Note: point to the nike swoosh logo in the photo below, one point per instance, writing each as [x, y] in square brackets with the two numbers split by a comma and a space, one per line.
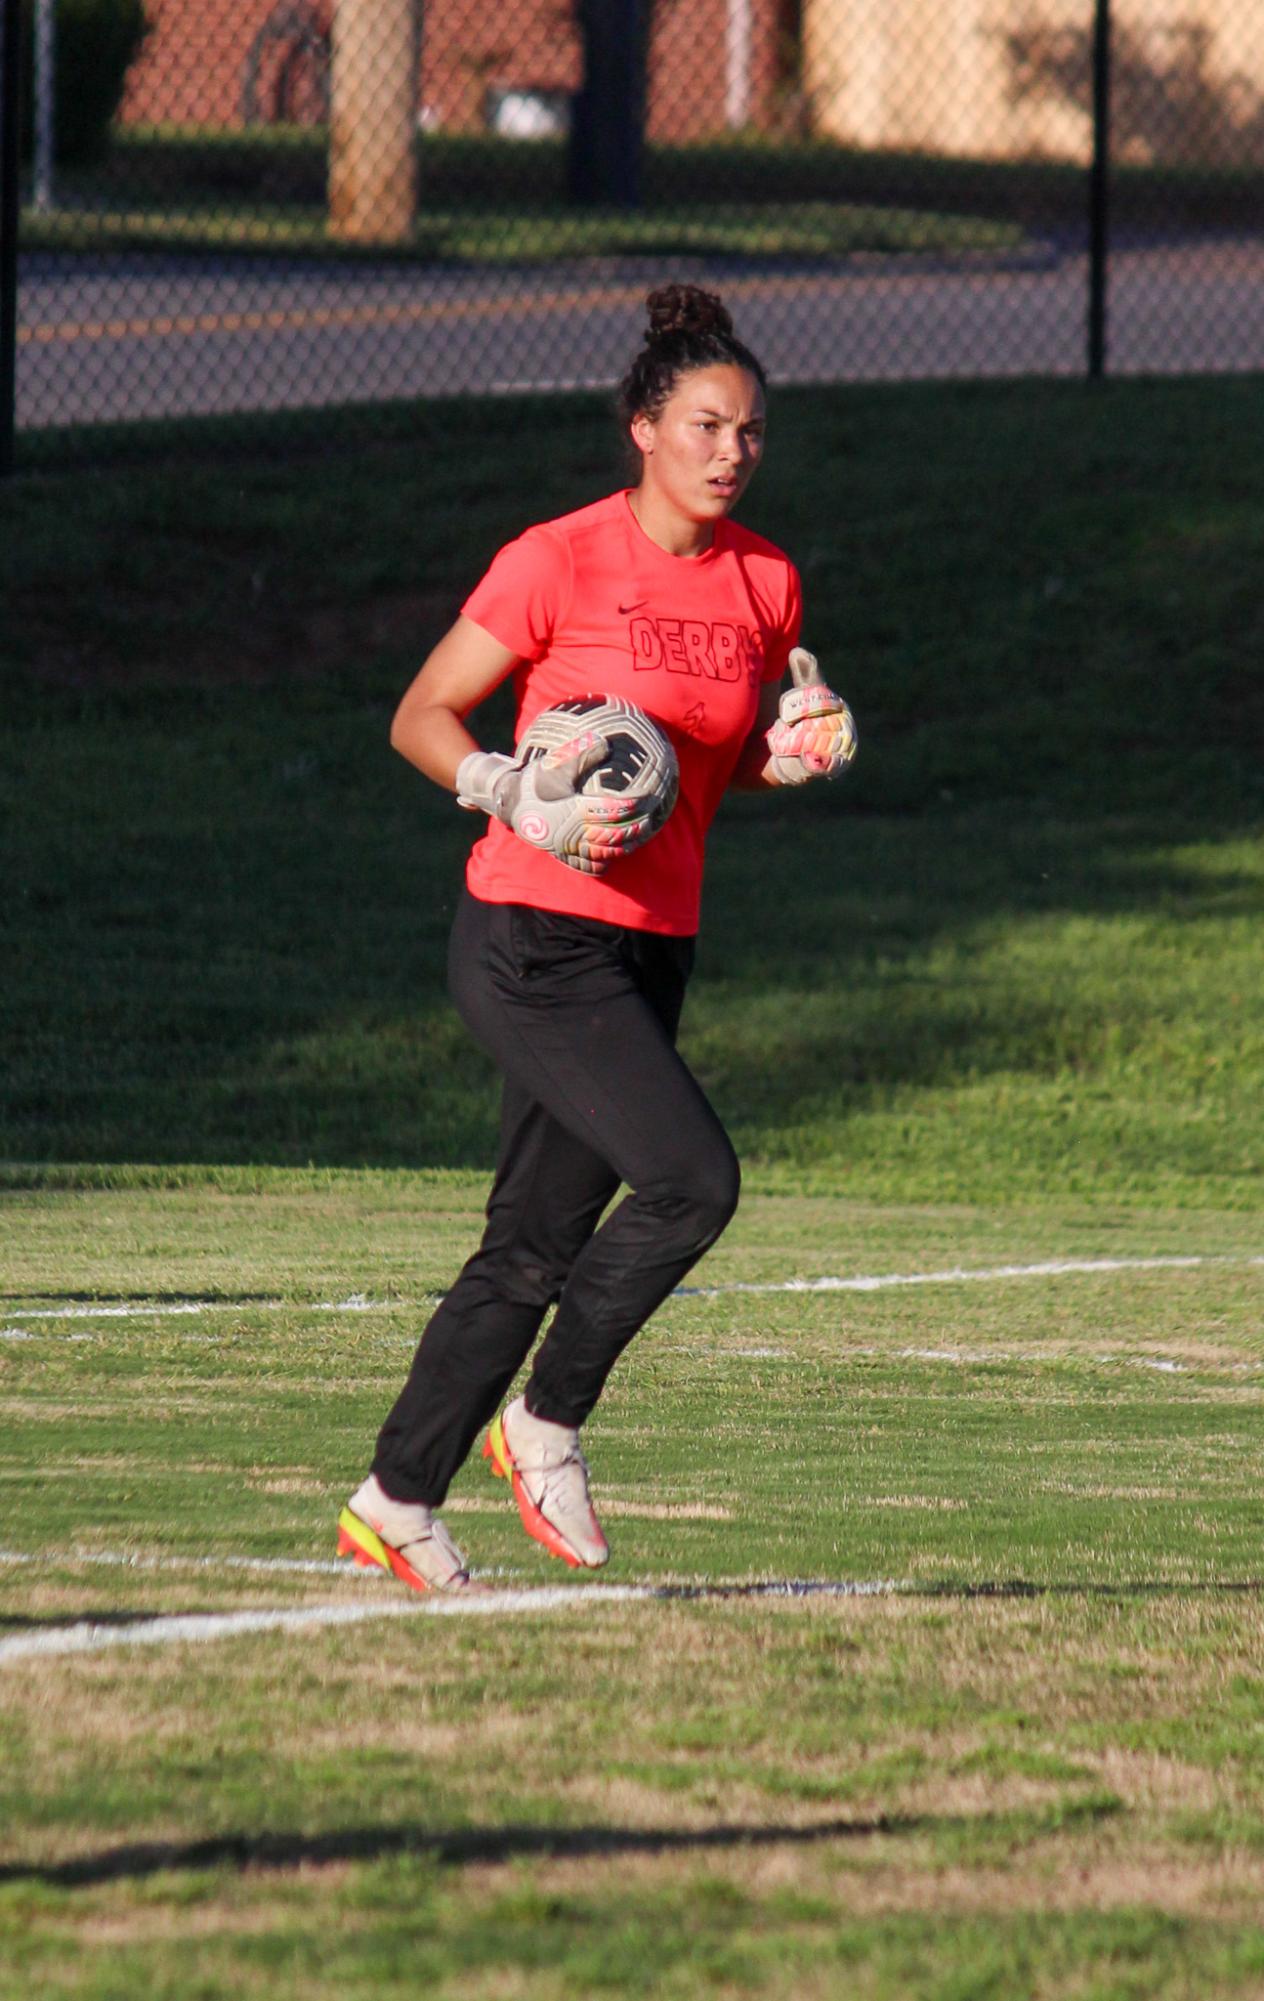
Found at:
[624, 609]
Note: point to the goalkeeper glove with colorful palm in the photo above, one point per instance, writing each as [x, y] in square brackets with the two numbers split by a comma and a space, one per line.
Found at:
[541, 800]
[814, 735]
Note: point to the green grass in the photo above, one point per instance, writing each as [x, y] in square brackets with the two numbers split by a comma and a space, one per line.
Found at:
[284, 168]
[994, 1002]
[509, 235]
[495, 201]
[1032, 1769]
[1015, 954]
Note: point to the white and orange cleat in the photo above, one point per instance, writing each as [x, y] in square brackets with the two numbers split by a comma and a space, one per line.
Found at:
[550, 1483]
[401, 1537]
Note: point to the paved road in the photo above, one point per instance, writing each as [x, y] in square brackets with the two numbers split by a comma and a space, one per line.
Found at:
[135, 337]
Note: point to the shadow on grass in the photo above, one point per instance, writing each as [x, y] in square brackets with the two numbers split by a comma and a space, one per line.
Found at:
[458, 1846]
[988, 1588]
[297, 1017]
[1137, 1587]
[17, 1300]
[65, 1621]
[241, 958]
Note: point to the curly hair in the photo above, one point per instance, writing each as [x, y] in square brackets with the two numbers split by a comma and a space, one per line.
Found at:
[688, 329]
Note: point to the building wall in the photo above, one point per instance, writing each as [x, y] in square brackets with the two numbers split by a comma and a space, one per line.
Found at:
[1009, 78]
[990, 78]
[193, 68]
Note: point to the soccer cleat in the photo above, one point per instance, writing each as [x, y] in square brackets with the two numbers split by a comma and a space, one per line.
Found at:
[400, 1537]
[550, 1483]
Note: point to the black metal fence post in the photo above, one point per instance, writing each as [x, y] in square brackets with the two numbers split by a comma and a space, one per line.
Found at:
[1099, 194]
[607, 139]
[10, 98]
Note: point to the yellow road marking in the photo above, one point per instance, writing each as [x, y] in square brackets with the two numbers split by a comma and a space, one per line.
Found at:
[165, 325]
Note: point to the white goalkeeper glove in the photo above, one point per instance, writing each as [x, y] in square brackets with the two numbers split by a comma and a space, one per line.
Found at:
[541, 801]
[814, 735]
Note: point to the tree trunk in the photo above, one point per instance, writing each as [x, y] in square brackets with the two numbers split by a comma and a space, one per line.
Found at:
[373, 120]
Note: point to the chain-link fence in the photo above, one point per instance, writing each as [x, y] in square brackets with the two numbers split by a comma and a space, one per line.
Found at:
[222, 207]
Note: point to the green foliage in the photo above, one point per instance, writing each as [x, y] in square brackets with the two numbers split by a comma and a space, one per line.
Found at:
[96, 42]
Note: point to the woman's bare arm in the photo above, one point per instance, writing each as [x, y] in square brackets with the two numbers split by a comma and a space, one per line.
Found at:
[751, 773]
[429, 724]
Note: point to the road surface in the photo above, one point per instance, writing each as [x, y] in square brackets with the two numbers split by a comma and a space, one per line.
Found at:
[158, 336]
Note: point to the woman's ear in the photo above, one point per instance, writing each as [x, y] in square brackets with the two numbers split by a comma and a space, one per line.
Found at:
[642, 430]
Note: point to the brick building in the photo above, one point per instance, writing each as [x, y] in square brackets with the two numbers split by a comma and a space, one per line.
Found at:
[1004, 78]
[715, 65]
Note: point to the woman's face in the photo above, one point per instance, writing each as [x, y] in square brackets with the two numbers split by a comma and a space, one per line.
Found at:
[698, 454]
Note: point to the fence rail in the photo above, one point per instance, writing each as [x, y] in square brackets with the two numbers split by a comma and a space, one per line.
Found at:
[238, 206]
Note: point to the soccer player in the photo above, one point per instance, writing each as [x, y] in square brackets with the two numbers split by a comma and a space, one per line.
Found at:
[574, 981]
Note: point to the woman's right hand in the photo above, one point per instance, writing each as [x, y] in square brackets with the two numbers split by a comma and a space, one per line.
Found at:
[541, 800]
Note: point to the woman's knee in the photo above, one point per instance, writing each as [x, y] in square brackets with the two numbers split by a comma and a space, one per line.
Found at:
[704, 1190]
[720, 1189]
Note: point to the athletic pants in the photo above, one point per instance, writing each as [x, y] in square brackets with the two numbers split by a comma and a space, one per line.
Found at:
[581, 1019]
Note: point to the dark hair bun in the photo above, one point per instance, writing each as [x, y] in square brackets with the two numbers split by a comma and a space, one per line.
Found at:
[685, 309]
[688, 329]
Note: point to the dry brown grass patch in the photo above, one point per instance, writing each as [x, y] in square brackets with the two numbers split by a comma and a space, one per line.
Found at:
[876, 1873]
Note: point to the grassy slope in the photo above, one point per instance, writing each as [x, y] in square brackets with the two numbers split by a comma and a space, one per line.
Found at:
[1015, 954]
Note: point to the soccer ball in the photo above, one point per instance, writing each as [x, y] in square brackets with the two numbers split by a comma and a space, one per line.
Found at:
[640, 760]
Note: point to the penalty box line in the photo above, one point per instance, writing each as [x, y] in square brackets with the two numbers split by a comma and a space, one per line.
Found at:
[89, 1637]
[861, 1282]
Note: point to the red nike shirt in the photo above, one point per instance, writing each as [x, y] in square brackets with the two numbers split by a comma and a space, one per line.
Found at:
[593, 607]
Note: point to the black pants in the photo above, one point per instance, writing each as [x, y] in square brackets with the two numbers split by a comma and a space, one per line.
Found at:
[581, 1018]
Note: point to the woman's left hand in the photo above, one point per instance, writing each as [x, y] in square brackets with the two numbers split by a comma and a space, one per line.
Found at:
[814, 735]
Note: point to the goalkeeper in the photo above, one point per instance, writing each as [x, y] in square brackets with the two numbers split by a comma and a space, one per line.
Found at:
[571, 949]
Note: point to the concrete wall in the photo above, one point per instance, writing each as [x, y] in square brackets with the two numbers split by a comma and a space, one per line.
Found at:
[1009, 78]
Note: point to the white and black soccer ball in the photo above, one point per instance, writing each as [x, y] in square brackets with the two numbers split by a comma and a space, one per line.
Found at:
[640, 762]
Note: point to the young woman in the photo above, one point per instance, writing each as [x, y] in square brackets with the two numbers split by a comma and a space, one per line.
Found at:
[573, 981]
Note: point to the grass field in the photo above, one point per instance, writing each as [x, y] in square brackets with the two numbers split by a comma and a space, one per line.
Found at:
[494, 201]
[1031, 1766]
[987, 1026]
[157, 183]
[499, 234]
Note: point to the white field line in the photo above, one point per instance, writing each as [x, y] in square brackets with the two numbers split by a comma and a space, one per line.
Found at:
[89, 1638]
[996, 1357]
[861, 1282]
[122, 1559]
[966, 1275]
[187, 1308]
